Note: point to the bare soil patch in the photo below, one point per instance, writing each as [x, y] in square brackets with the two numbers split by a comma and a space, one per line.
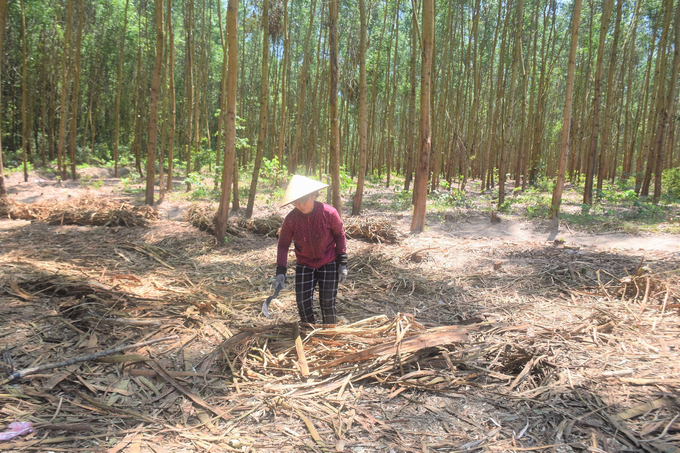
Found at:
[511, 336]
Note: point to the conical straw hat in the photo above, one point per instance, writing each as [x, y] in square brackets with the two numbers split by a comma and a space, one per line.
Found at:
[299, 186]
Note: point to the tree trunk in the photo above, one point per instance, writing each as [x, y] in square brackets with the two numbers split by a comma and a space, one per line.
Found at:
[284, 85]
[645, 114]
[119, 85]
[566, 122]
[374, 101]
[153, 106]
[65, 90]
[230, 129]
[3, 21]
[597, 101]
[408, 171]
[172, 114]
[628, 145]
[302, 89]
[358, 196]
[335, 126]
[667, 112]
[390, 121]
[264, 109]
[76, 89]
[424, 137]
[189, 78]
[611, 102]
[24, 92]
[197, 100]
[510, 106]
[223, 98]
[139, 96]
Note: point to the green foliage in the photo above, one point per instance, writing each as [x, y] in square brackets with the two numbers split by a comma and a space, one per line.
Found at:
[271, 170]
[201, 186]
[670, 182]
[18, 167]
[454, 198]
[401, 201]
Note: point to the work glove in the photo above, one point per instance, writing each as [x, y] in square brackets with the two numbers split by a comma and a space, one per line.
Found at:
[342, 274]
[280, 281]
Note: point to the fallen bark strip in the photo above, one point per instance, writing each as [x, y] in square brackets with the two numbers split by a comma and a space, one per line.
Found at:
[49, 366]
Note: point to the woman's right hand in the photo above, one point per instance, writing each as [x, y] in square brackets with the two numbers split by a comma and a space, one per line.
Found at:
[281, 281]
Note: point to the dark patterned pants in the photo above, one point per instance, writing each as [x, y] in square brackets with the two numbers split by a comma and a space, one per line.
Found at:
[306, 279]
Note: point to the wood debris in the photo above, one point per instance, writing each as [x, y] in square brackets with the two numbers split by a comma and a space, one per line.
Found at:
[94, 211]
[562, 349]
[373, 229]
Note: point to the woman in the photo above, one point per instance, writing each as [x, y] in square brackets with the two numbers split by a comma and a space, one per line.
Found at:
[320, 249]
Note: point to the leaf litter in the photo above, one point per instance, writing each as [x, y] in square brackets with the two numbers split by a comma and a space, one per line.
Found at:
[478, 344]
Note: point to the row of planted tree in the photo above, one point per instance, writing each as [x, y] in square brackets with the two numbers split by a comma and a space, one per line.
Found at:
[481, 89]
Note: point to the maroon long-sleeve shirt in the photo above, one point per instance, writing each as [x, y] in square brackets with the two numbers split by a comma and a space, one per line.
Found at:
[319, 237]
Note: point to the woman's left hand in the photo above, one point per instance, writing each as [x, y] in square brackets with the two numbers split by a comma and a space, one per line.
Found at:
[342, 274]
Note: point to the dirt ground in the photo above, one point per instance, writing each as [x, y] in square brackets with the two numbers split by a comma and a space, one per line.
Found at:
[572, 343]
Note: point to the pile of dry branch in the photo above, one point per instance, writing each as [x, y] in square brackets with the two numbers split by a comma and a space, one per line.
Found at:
[327, 358]
[96, 211]
[264, 226]
[202, 216]
[373, 229]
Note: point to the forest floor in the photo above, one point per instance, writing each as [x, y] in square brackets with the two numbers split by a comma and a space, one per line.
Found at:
[518, 335]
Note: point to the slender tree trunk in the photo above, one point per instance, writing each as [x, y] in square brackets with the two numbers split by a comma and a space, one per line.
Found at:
[163, 108]
[198, 96]
[628, 145]
[284, 85]
[488, 164]
[566, 122]
[230, 130]
[335, 125]
[424, 137]
[153, 106]
[390, 121]
[510, 107]
[597, 101]
[611, 102]
[139, 96]
[264, 109]
[302, 89]
[76, 89]
[119, 85]
[667, 113]
[363, 123]
[374, 87]
[45, 77]
[3, 21]
[657, 103]
[65, 89]
[24, 92]
[189, 87]
[496, 145]
[642, 148]
[411, 107]
[223, 97]
[171, 92]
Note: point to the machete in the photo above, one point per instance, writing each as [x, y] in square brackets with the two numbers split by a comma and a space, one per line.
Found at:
[265, 305]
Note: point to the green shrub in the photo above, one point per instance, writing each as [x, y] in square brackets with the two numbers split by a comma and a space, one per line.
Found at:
[670, 181]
